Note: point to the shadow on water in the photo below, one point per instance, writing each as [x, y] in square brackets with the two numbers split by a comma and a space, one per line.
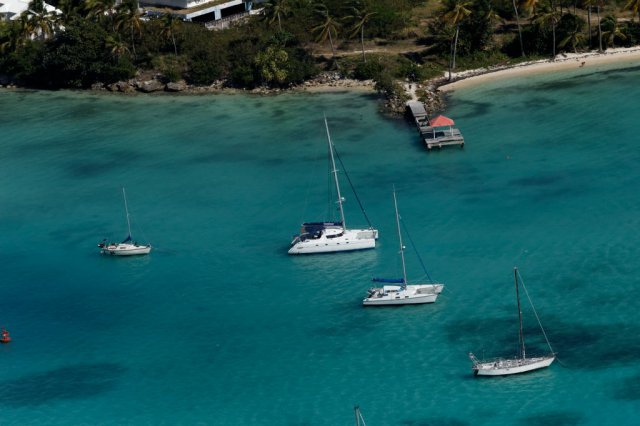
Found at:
[434, 421]
[628, 389]
[67, 383]
[560, 418]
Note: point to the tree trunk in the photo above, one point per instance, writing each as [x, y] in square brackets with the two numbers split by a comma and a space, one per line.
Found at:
[133, 43]
[333, 50]
[454, 45]
[175, 48]
[554, 40]
[364, 60]
[599, 29]
[515, 8]
[589, 21]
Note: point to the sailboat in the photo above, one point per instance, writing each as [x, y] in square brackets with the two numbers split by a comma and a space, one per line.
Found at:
[521, 363]
[328, 237]
[128, 247]
[359, 418]
[404, 293]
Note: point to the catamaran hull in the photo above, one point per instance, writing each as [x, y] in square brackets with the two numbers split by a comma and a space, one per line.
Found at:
[414, 294]
[353, 239]
[126, 251]
[509, 367]
[412, 300]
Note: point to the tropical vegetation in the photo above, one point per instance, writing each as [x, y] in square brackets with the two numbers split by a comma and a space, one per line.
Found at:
[293, 40]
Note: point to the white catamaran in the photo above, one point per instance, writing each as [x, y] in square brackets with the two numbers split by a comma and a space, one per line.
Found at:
[328, 237]
[521, 363]
[128, 247]
[403, 294]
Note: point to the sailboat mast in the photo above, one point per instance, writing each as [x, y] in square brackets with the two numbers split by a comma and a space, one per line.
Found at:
[335, 172]
[515, 276]
[126, 209]
[404, 268]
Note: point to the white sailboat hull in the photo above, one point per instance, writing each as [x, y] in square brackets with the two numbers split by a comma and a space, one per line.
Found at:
[505, 367]
[351, 239]
[414, 294]
[125, 250]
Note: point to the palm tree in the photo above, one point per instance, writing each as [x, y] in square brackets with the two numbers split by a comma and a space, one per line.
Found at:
[611, 22]
[633, 5]
[589, 5]
[515, 9]
[129, 16]
[170, 25]
[98, 9]
[599, 3]
[276, 10]
[573, 38]
[42, 22]
[116, 46]
[548, 16]
[327, 29]
[360, 16]
[455, 12]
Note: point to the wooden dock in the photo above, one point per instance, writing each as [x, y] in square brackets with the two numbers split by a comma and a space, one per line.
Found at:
[436, 132]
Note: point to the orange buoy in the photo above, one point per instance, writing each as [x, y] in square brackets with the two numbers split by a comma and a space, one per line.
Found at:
[5, 336]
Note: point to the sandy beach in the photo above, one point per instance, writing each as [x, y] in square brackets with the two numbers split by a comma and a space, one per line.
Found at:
[563, 62]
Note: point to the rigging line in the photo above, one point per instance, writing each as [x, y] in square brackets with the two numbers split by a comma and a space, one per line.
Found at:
[404, 225]
[535, 312]
[344, 170]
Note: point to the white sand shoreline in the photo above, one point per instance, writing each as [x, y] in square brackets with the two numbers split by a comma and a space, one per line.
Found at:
[562, 63]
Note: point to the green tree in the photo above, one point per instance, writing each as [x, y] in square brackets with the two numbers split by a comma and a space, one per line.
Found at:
[454, 13]
[271, 64]
[515, 10]
[359, 16]
[128, 17]
[612, 31]
[116, 46]
[275, 10]
[328, 29]
[41, 22]
[546, 16]
[633, 5]
[570, 28]
[170, 25]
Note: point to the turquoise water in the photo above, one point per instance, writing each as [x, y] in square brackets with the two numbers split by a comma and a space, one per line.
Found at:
[219, 326]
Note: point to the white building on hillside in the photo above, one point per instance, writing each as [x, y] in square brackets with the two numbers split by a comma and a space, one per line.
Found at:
[205, 11]
[11, 9]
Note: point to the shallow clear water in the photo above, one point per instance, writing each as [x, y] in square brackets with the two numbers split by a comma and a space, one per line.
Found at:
[220, 326]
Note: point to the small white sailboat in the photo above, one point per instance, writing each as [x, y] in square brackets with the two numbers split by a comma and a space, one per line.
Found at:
[329, 237]
[128, 247]
[521, 363]
[403, 294]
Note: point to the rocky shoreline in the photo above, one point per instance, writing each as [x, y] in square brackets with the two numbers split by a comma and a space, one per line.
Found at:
[394, 104]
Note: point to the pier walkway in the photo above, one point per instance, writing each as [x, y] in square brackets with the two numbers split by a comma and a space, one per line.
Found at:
[436, 132]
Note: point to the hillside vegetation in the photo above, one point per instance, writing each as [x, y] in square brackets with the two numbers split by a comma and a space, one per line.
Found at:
[293, 40]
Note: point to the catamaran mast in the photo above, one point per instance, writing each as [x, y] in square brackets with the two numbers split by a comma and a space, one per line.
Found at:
[404, 269]
[126, 209]
[335, 173]
[515, 276]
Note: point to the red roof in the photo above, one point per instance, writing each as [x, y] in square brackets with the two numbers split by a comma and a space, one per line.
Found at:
[440, 121]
